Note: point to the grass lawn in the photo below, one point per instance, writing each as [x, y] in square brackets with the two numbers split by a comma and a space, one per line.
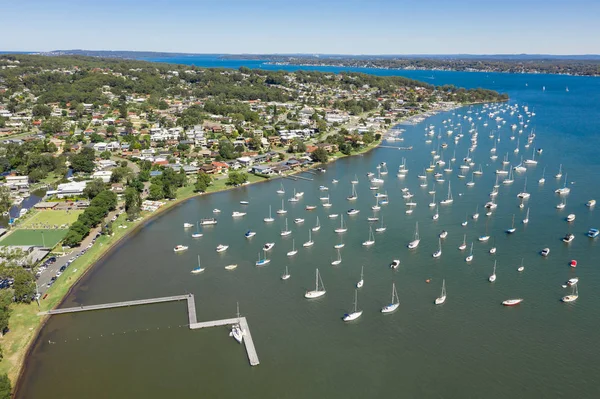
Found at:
[34, 237]
[51, 218]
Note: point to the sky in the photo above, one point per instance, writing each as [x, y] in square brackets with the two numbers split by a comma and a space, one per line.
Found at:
[304, 26]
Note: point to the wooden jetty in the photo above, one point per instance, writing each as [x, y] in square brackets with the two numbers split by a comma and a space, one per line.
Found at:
[193, 322]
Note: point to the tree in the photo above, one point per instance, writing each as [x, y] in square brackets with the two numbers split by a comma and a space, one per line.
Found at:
[110, 130]
[226, 150]
[24, 286]
[41, 110]
[133, 202]
[156, 192]
[84, 161]
[319, 155]
[5, 201]
[53, 125]
[93, 188]
[120, 173]
[236, 178]
[5, 387]
[5, 301]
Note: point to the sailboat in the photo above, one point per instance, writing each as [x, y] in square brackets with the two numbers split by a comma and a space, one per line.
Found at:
[371, 239]
[327, 204]
[492, 278]
[285, 275]
[512, 229]
[509, 179]
[448, 200]
[573, 297]
[317, 226]
[485, 237]
[270, 218]
[476, 214]
[564, 190]
[338, 260]
[355, 181]
[438, 253]
[526, 220]
[543, 179]
[198, 269]
[470, 257]
[395, 301]
[281, 211]
[281, 190]
[236, 330]
[432, 203]
[382, 228]
[356, 313]
[353, 196]
[342, 228]
[463, 246]
[361, 282]
[521, 268]
[319, 288]
[436, 215]
[471, 183]
[376, 207]
[442, 298]
[294, 251]
[310, 242]
[197, 234]
[415, 242]
[559, 174]
[286, 231]
[262, 262]
[524, 194]
[493, 248]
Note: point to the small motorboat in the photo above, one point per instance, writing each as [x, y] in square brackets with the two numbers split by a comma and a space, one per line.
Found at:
[352, 211]
[250, 234]
[231, 267]
[216, 210]
[572, 281]
[573, 263]
[310, 207]
[180, 248]
[571, 217]
[187, 225]
[268, 246]
[591, 203]
[593, 233]
[568, 238]
[545, 252]
[443, 234]
[244, 202]
[222, 248]
[395, 263]
[237, 214]
[298, 220]
[512, 302]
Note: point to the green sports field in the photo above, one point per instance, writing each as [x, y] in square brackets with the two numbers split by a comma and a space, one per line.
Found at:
[34, 237]
[51, 219]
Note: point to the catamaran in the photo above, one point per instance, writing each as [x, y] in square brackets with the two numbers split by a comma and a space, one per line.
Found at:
[356, 313]
[415, 242]
[319, 288]
[198, 269]
[287, 231]
[395, 301]
[371, 239]
[442, 298]
[294, 251]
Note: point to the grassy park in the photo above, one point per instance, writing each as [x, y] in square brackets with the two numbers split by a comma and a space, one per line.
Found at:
[46, 237]
[51, 219]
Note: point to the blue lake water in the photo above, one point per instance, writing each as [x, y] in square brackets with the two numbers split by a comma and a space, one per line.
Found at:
[469, 347]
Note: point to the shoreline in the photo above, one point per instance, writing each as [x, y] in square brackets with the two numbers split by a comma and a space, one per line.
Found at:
[22, 361]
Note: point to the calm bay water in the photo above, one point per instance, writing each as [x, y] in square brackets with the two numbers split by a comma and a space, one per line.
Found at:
[469, 347]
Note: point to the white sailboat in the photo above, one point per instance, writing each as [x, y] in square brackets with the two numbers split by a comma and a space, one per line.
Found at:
[281, 190]
[475, 216]
[470, 257]
[310, 242]
[463, 246]
[436, 215]
[355, 181]
[287, 231]
[286, 275]
[197, 234]
[559, 174]
[432, 203]
[442, 298]
[415, 242]
[376, 207]
[294, 251]
[356, 313]
[371, 239]
[319, 288]
[353, 196]
[543, 179]
[342, 228]
[270, 218]
[512, 228]
[438, 253]
[526, 220]
[317, 226]
[448, 200]
[573, 297]
[338, 260]
[492, 278]
[361, 282]
[236, 330]
[281, 211]
[382, 228]
[395, 301]
[521, 268]
[198, 269]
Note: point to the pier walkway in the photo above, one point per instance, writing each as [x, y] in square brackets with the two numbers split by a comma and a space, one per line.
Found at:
[193, 322]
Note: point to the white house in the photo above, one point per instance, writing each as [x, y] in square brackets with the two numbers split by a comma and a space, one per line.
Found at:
[102, 174]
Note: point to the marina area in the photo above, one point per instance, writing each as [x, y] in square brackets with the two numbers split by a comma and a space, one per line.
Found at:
[458, 162]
